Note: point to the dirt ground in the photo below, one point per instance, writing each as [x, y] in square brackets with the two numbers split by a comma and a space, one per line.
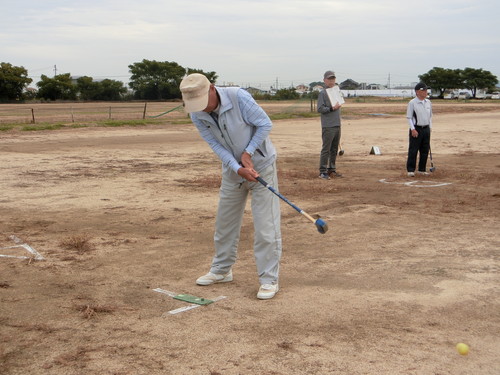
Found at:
[408, 268]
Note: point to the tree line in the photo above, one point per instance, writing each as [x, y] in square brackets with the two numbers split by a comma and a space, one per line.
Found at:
[441, 80]
[159, 80]
[150, 80]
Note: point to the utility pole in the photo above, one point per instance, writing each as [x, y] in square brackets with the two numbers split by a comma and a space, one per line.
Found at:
[55, 70]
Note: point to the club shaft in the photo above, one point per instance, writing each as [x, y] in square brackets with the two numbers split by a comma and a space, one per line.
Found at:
[299, 210]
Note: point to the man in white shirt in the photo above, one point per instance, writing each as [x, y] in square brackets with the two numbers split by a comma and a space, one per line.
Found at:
[419, 116]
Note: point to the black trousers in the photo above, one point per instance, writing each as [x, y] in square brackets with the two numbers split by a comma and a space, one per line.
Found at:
[419, 144]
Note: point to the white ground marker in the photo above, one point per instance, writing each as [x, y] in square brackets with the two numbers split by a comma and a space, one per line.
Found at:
[37, 255]
[416, 183]
[185, 308]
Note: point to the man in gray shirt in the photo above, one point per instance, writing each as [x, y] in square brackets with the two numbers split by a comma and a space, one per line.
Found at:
[330, 129]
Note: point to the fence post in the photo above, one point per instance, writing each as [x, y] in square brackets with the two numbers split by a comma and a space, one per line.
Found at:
[110, 112]
[144, 113]
[72, 117]
[33, 115]
[313, 105]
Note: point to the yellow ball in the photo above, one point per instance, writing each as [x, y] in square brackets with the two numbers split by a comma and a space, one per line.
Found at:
[462, 348]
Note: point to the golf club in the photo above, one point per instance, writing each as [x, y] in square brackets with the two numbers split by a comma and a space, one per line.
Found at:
[432, 168]
[320, 223]
[341, 151]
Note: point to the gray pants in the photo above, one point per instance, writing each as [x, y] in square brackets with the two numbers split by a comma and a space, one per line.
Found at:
[331, 140]
[266, 219]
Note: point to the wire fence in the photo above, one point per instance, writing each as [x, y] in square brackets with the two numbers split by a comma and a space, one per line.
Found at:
[81, 112]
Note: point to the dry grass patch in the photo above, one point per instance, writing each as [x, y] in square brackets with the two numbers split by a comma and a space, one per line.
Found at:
[92, 310]
[79, 355]
[79, 243]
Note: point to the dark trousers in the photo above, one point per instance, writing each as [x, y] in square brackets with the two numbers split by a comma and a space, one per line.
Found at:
[419, 144]
[328, 156]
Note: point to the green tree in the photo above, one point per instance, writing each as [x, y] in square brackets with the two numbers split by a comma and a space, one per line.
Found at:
[212, 76]
[287, 94]
[474, 79]
[442, 79]
[87, 88]
[156, 80]
[58, 88]
[107, 89]
[13, 81]
[110, 89]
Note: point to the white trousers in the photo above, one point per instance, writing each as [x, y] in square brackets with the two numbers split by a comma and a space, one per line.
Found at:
[266, 220]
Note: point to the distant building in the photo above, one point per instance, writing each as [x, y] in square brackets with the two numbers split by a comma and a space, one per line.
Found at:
[254, 90]
[301, 89]
[404, 93]
[375, 86]
[349, 84]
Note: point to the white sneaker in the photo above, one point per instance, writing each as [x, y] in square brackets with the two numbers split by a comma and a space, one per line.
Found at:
[423, 173]
[212, 278]
[411, 174]
[267, 291]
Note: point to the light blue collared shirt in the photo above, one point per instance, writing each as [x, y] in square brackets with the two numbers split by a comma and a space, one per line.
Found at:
[245, 128]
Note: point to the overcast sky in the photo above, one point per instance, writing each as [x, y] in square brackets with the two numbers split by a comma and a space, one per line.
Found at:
[254, 42]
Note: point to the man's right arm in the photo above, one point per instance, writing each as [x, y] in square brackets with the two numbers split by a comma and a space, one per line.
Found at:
[224, 155]
[324, 105]
[409, 115]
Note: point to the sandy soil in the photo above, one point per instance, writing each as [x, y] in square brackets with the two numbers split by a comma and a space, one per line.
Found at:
[408, 268]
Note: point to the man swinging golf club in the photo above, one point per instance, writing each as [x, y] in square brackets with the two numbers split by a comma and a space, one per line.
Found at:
[237, 129]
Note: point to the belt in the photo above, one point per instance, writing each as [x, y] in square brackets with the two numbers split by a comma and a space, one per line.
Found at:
[421, 126]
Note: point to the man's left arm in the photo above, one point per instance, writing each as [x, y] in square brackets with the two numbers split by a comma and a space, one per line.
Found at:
[254, 115]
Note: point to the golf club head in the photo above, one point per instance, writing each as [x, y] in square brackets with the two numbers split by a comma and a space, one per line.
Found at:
[322, 226]
[432, 169]
[341, 152]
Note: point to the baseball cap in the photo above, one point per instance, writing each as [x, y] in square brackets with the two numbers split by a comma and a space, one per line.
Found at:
[421, 86]
[329, 74]
[194, 89]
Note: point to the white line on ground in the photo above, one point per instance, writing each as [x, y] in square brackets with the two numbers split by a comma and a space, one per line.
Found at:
[416, 183]
[25, 246]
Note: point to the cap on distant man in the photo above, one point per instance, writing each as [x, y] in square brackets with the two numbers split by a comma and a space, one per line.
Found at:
[329, 74]
[421, 86]
[194, 89]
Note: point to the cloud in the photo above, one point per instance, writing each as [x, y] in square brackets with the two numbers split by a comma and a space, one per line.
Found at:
[253, 42]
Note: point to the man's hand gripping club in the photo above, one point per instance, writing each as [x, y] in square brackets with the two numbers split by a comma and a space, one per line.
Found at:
[247, 171]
